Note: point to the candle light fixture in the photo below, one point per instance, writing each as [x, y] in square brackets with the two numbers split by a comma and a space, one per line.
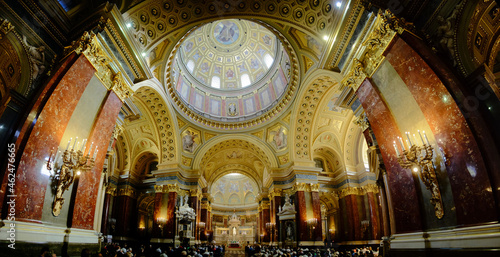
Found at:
[419, 160]
[65, 167]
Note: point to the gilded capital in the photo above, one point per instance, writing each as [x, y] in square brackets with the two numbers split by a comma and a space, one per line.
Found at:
[158, 188]
[121, 89]
[275, 192]
[172, 188]
[195, 192]
[127, 192]
[111, 191]
[371, 188]
[350, 191]
[314, 187]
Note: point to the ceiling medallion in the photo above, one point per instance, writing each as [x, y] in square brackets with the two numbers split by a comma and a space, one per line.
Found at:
[200, 59]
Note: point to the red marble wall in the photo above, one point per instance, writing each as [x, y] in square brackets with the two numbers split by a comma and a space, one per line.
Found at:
[354, 221]
[317, 234]
[471, 188]
[156, 233]
[126, 216]
[203, 218]
[266, 217]
[194, 203]
[88, 187]
[276, 205]
[105, 214]
[46, 134]
[404, 197]
[374, 217]
[37, 108]
[170, 225]
[301, 216]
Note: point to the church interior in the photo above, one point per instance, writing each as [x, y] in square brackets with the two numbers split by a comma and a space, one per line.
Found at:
[286, 123]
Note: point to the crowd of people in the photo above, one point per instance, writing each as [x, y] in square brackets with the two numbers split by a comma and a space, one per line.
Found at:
[117, 250]
[124, 250]
[263, 251]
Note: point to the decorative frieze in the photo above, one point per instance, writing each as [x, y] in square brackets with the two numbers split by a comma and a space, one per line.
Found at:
[275, 192]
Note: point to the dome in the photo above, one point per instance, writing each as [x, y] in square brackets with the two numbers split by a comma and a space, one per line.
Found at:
[234, 190]
[230, 70]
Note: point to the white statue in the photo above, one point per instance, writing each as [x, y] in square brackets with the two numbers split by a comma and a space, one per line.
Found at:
[37, 57]
[188, 141]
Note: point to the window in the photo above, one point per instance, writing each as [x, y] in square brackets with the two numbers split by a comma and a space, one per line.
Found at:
[245, 80]
[268, 60]
[215, 82]
[190, 65]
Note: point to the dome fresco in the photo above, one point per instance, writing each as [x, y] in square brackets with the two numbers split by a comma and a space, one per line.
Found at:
[234, 189]
[231, 70]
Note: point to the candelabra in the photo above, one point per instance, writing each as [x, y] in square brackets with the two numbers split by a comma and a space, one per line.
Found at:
[161, 224]
[364, 226]
[201, 226]
[312, 223]
[419, 159]
[64, 168]
[270, 227]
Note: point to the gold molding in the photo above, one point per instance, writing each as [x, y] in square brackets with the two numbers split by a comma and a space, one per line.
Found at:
[314, 187]
[386, 26]
[158, 188]
[111, 191]
[5, 27]
[275, 192]
[89, 45]
[195, 192]
[127, 192]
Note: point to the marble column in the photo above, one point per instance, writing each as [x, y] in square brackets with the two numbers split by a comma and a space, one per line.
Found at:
[156, 231]
[374, 216]
[110, 193]
[204, 219]
[86, 198]
[170, 227]
[125, 211]
[384, 212]
[52, 111]
[316, 204]
[474, 203]
[194, 202]
[301, 216]
[407, 217]
[266, 218]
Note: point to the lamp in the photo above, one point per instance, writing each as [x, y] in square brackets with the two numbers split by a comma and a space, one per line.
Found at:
[419, 160]
[73, 163]
[364, 226]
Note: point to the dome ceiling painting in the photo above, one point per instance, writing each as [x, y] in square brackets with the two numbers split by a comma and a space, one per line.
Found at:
[231, 71]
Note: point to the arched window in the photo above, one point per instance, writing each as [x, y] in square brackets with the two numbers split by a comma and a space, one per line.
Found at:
[215, 82]
[190, 65]
[245, 80]
[268, 60]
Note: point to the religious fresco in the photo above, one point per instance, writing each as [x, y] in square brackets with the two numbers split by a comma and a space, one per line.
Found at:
[234, 188]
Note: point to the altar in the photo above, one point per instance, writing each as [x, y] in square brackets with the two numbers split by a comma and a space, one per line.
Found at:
[234, 235]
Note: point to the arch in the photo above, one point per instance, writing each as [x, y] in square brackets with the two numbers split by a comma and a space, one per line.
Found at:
[218, 198]
[234, 168]
[250, 143]
[162, 115]
[306, 110]
[234, 199]
[249, 198]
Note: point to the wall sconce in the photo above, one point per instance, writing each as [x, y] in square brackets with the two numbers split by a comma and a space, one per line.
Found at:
[364, 226]
[201, 225]
[419, 160]
[270, 225]
[73, 163]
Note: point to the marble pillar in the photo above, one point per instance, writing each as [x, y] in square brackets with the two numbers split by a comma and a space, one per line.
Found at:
[156, 231]
[301, 216]
[407, 217]
[125, 209]
[86, 198]
[374, 216]
[110, 192]
[316, 204]
[266, 218]
[55, 109]
[170, 229]
[474, 202]
[275, 204]
[194, 203]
